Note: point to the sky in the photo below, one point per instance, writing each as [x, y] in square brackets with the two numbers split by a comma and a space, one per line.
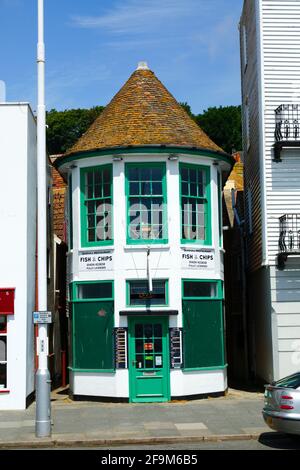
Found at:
[93, 46]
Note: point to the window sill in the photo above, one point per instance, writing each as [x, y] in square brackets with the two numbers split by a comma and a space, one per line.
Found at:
[196, 245]
[145, 247]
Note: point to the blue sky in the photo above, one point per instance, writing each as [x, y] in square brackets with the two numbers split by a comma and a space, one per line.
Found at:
[93, 46]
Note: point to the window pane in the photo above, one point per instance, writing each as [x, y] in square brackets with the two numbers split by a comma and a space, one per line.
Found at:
[90, 207]
[158, 345]
[133, 174]
[94, 291]
[193, 175]
[156, 174]
[193, 204]
[3, 381]
[89, 192]
[3, 320]
[98, 189]
[156, 188]
[106, 190]
[184, 174]
[157, 330]
[185, 189]
[140, 295]
[200, 289]
[148, 330]
[138, 330]
[89, 178]
[292, 381]
[139, 345]
[147, 208]
[146, 188]
[193, 189]
[91, 235]
[2, 348]
[145, 174]
[134, 188]
[106, 176]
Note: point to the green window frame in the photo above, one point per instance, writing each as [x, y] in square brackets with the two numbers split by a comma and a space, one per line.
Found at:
[195, 204]
[203, 325]
[146, 196]
[96, 188]
[148, 300]
[92, 324]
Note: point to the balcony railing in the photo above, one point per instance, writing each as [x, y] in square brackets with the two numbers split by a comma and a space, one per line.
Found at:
[289, 237]
[287, 128]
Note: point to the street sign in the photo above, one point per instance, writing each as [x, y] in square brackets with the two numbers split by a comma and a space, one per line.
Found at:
[42, 317]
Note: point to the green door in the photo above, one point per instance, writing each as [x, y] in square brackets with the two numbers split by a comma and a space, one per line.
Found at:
[149, 371]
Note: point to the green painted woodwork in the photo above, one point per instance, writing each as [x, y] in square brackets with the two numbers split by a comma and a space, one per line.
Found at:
[195, 192]
[147, 302]
[149, 368]
[203, 343]
[146, 195]
[219, 294]
[148, 149]
[96, 202]
[93, 324]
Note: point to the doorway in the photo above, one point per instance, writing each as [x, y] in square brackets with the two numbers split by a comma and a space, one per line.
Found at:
[149, 369]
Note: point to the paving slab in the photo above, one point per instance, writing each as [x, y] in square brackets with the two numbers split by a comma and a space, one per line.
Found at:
[238, 414]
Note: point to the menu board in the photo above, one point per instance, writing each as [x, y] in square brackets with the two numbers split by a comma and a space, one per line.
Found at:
[176, 348]
[121, 348]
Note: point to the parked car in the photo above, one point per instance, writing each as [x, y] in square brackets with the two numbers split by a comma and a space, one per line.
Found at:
[281, 410]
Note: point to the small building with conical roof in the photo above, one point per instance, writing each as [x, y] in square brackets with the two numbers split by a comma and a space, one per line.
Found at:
[145, 260]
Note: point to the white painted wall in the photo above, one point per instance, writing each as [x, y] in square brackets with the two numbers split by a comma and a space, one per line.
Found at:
[130, 263]
[276, 62]
[17, 241]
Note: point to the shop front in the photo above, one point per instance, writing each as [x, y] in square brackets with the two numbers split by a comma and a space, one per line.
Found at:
[145, 258]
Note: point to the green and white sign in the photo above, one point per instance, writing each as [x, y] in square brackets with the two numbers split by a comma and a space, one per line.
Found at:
[95, 261]
[201, 258]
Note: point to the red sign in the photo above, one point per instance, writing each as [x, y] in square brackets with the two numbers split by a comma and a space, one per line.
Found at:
[148, 346]
[7, 301]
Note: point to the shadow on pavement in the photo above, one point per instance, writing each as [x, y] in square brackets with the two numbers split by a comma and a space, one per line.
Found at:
[276, 440]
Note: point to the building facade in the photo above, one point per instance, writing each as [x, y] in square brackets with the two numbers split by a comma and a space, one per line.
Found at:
[270, 70]
[145, 260]
[18, 255]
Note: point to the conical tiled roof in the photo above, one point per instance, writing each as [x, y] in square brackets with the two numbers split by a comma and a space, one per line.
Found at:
[142, 113]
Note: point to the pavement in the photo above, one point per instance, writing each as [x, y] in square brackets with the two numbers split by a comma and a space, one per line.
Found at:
[236, 416]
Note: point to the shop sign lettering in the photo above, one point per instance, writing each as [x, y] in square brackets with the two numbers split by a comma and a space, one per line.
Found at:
[95, 261]
[198, 259]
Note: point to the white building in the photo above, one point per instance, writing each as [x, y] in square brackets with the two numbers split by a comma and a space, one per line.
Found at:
[270, 69]
[17, 241]
[146, 256]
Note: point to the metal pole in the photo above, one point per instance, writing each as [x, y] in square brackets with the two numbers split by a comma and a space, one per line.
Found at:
[43, 409]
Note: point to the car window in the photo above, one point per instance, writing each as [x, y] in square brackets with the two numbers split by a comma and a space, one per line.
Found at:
[292, 381]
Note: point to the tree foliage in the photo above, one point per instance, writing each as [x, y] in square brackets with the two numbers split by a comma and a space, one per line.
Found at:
[65, 127]
[224, 126]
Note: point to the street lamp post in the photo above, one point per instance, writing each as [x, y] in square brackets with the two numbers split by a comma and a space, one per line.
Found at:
[43, 382]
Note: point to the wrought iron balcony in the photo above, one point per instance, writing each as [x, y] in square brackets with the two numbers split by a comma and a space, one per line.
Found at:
[287, 128]
[289, 238]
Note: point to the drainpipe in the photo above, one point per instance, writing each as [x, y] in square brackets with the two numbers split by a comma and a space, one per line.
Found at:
[150, 285]
[243, 274]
